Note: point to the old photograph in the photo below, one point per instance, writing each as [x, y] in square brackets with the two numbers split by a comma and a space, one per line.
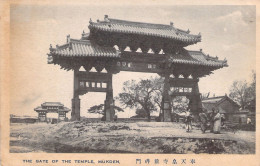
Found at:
[132, 79]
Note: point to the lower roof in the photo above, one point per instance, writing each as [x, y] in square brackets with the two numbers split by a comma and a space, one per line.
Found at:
[83, 48]
[86, 48]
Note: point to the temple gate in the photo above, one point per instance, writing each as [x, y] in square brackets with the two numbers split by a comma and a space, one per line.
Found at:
[162, 52]
[51, 107]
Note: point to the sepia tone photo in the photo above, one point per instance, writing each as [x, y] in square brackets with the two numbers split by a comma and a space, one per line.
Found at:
[118, 79]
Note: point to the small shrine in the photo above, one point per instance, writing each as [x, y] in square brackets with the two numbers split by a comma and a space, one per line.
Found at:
[51, 107]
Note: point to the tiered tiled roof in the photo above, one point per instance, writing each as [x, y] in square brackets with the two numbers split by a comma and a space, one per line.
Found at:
[148, 29]
[83, 48]
[56, 106]
[64, 109]
[196, 58]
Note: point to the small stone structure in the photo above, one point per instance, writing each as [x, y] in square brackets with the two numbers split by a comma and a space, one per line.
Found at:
[51, 107]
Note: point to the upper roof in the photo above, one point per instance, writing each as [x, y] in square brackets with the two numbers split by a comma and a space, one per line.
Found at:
[52, 104]
[83, 48]
[148, 29]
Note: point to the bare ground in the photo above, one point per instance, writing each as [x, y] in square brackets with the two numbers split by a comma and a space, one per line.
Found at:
[139, 137]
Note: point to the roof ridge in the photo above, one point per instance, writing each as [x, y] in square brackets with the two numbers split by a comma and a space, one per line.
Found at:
[80, 41]
[153, 24]
[207, 56]
[193, 50]
[141, 23]
[214, 97]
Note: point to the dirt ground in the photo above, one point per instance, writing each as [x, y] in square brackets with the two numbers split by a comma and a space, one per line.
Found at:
[120, 137]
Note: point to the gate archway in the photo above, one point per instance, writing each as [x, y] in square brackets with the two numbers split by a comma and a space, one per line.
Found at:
[162, 52]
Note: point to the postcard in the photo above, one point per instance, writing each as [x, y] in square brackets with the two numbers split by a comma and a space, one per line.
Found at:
[129, 83]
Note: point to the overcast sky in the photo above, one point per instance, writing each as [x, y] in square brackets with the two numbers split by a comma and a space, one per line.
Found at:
[227, 32]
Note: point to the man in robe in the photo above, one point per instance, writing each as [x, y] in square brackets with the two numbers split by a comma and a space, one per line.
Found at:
[211, 119]
[203, 120]
[217, 123]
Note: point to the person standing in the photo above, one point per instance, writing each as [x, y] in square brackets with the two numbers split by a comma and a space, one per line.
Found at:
[248, 121]
[188, 121]
[211, 119]
[223, 119]
[203, 120]
[217, 123]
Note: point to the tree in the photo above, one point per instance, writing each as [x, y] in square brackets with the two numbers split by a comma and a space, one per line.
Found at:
[157, 96]
[252, 86]
[140, 95]
[140, 113]
[100, 109]
[205, 96]
[180, 104]
[238, 92]
[243, 92]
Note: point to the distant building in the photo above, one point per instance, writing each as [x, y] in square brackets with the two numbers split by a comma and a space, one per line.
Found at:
[226, 106]
[51, 107]
[23, 119]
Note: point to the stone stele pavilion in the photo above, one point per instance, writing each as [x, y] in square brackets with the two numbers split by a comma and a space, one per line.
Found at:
[154, 48]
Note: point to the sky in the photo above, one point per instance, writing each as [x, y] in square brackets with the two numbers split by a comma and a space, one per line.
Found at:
[227, 32]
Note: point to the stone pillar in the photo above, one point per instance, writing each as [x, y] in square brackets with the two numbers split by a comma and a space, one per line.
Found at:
[75, 110]
[42, 117]
[45, 117]
[109, 102]
[58, 116]
[166, 100]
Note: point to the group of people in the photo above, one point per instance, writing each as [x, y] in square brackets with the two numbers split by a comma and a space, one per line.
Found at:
[214, 118]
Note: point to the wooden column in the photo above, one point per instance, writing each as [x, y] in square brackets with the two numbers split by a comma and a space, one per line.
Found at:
[75, 110]
[109, 102]
[166, 103]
